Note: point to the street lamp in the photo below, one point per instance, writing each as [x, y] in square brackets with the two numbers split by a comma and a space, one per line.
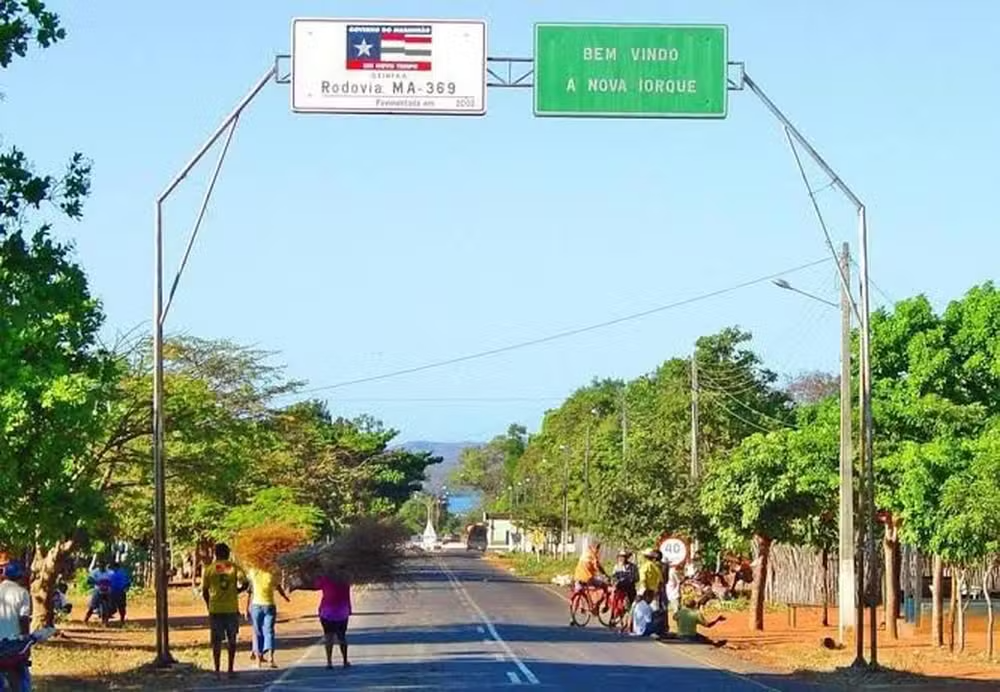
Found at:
[781, 283]
[850, 570]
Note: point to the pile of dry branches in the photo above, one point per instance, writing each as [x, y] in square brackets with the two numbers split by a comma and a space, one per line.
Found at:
[263, 546]
[368, 553]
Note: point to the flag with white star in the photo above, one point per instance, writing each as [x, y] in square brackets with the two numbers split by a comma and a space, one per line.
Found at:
[379, 47]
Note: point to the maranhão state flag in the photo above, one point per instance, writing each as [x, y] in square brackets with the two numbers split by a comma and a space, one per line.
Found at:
[403, 47]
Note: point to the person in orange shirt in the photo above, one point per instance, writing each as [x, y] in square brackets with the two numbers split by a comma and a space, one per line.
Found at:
[589, 567]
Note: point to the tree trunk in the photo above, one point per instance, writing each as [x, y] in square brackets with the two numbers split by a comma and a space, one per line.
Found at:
[897, 557]
[759, 587]
[826, 587]
[937, 601]
[44, 572]
[961, 610]
[989, 610]
[951, 610]
[890, 542]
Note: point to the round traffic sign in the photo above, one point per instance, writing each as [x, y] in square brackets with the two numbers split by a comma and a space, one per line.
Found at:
[675, 550]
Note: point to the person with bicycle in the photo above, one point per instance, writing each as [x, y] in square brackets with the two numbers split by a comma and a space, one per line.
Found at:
[100, 597]
[589, 570]
[15, 620]
[625, 576]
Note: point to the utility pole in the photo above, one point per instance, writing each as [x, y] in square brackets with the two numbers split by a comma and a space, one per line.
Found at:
[565, 526]
[586, 470]
[845, 552]
[695, 465]
[624, 427]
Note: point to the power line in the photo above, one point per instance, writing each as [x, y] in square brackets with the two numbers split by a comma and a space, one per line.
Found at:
[564, 334]
[742, 419]
[747, 406]
[882, 293]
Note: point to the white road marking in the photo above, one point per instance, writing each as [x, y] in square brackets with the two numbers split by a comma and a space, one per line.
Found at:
[513, 677]
[291, 669]
[457, 585]
[498, 656]
[481, 629]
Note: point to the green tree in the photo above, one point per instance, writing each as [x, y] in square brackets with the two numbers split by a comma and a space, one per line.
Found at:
[769, 490]
[490, 468]
[935, 383]
[273, 506]
[54, 377]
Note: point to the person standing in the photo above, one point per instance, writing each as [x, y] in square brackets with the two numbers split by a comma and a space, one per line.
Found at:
[334, 612]
[650, 574]
[15, 615]
[222, 583]
[120, 584]
[673, 588]
[264, 612]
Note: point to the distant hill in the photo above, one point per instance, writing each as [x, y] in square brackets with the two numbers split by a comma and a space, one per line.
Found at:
[449, 453]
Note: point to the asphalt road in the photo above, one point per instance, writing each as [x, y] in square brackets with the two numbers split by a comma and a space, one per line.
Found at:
[468, 626]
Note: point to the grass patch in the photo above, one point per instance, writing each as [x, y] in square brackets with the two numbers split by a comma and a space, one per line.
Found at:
[535, 567]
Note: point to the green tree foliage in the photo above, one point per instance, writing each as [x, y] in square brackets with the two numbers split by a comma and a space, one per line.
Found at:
[490, 469]
[273, 506]
[229, 444]
[775, 487]
[54, 377]
[623, 449]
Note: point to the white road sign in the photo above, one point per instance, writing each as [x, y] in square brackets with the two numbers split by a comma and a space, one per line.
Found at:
[674, 550]
[402, 66]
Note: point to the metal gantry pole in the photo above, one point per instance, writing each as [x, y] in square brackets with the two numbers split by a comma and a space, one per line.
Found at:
[160, 584]
[866, 502]
[845, 553]
[163, 657]
[867, 425]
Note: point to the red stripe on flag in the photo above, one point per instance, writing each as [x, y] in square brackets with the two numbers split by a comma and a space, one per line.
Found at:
[388, 65]
[409, 38]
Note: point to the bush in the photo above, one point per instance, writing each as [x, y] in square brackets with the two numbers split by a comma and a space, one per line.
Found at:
[80, 584]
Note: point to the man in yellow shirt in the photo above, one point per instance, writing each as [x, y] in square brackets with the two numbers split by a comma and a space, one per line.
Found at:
[650, 572]
[589, 566]
[264, 611]
[222, 583]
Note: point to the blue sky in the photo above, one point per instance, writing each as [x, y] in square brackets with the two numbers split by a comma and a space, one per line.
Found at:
[506, 228]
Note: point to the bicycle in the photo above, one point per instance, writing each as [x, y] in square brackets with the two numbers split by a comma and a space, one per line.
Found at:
[15, 660]
[609, 606]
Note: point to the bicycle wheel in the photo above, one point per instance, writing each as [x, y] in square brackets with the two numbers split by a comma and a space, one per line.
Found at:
[617, 610]
[579, 609]
[604, 610]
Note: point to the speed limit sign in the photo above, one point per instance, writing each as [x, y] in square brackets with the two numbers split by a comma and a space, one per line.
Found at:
[675, 550]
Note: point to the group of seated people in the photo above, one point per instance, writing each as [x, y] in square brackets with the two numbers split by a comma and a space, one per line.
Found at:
[647, 596]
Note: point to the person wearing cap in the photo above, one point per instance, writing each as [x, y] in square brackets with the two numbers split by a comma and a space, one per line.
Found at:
[626, 576]
[15, 614]
[650, 574]
[15, 600]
